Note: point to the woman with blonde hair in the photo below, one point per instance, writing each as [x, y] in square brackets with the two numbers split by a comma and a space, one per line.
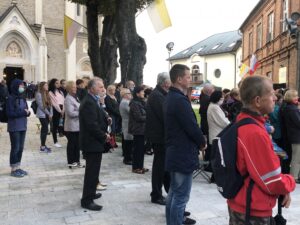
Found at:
[71, 126]
[112, 108]
[291, 117]
[44, 113]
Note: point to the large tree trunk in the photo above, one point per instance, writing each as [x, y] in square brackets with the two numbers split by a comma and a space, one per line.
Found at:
[108, 50]
[93, 36]
[132, 47]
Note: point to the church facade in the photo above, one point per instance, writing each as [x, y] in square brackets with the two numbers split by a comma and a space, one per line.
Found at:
[32, 43]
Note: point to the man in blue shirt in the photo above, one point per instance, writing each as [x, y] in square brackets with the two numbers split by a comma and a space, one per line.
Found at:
[184, 138]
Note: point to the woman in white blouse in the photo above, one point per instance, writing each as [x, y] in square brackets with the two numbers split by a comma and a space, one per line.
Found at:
[216, 118]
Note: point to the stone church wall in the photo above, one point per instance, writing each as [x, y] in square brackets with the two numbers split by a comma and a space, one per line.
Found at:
[53, 14]
[27, 7]
[56, 56]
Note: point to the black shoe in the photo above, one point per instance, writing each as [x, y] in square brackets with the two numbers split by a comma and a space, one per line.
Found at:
[97, 195]
[297, 181]
[186, 213]
[160, 201]
[91, 206]
[188, 221]
[127, 162]
[212, 179]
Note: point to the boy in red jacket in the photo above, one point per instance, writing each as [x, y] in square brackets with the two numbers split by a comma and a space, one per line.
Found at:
[256, 157]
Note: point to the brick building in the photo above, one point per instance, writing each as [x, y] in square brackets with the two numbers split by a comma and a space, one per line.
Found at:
[266, 35]
[32, 43]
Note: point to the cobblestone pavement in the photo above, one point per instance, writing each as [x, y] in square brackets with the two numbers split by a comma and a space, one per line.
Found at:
[51, 193]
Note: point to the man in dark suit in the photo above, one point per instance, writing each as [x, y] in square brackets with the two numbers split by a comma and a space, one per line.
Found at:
[155, 132]
[93, 128]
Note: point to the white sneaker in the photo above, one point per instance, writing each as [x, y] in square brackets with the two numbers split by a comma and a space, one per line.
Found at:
[57, 145]
[100, 187]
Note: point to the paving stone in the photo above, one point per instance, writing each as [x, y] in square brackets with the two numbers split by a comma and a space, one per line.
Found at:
[50, 194]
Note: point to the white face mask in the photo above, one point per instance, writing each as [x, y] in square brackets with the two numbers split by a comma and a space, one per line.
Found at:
[220, 102]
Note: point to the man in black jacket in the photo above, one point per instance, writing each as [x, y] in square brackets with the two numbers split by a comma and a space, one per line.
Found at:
[156, 135]
[93, 127]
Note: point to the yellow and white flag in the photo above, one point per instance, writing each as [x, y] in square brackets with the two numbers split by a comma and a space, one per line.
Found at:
[244, 69]
[159, 15]
[71, 28]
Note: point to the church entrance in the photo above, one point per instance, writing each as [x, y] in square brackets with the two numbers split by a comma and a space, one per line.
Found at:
[10, 73]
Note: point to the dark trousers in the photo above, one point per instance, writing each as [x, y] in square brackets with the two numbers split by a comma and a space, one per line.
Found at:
[127, 149]
[73, 147]
[44, 130]
[91, 176]
[138, 152]
[17, 140]
[159, 176]
[55, 124]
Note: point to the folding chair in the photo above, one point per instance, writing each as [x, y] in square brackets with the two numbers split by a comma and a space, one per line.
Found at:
[203, 164]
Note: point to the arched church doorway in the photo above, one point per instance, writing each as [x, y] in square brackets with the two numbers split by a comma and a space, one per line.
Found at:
[10, 73]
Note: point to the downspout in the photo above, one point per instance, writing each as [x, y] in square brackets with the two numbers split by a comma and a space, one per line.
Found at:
[234, 55]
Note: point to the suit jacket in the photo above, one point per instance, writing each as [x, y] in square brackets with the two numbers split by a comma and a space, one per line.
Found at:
[93, 125]
[155, 129]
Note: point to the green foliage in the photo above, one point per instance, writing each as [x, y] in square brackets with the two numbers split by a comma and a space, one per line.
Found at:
[108, 7]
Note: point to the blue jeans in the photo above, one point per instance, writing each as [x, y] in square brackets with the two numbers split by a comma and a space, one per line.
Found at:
[178, 196]
[17, 140]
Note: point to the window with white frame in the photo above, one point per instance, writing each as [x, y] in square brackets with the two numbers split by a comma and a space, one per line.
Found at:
[285, 14]
[270, 27]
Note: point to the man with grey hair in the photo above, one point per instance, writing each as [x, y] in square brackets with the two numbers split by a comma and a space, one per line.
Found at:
[130, 85]
[155, 133]
[92, 136]
[206, 92]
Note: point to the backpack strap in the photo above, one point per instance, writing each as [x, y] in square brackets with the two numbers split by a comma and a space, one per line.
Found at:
[248, 202]
[243, 122]
[246, 121]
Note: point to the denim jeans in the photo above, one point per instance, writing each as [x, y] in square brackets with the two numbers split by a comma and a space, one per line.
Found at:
[178, 196]
[17, 140]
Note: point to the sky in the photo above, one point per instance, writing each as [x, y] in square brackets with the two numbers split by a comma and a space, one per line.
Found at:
[192, 21]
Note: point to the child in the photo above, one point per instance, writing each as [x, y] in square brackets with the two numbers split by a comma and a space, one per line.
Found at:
[279, 151]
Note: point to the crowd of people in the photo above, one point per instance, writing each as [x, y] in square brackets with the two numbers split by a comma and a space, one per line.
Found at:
[92, 116]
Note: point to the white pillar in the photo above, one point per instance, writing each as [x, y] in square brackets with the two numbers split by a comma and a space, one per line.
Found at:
[42, 73]
[38, 11]
[71, 52]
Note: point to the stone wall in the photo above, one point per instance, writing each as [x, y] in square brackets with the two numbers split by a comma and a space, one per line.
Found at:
[56, 56]
[27, 7]
[53, 13]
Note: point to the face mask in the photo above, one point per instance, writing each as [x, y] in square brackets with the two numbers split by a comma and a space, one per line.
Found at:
[98, 97]
[21, 90]
[220, 102]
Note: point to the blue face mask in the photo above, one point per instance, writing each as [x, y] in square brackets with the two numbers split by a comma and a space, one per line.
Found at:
[21, 90]
[98, 97]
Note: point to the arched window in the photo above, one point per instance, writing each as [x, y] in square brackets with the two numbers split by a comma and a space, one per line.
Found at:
[195, 69]
[86, 66]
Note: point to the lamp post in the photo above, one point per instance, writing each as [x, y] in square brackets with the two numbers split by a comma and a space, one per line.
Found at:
[170, 47]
